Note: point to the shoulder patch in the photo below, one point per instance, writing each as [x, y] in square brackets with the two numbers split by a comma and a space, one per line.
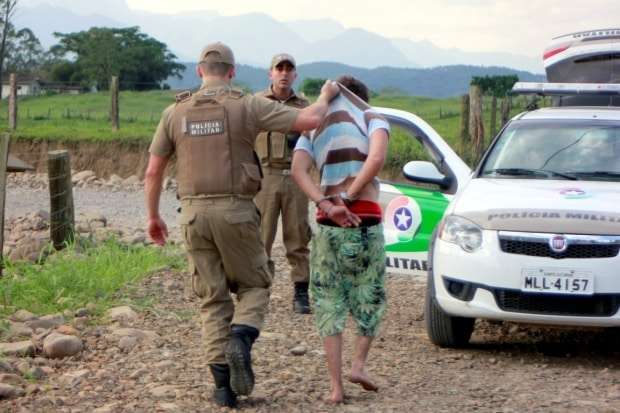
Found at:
[183, 96]
[301, 102]
[236, 93]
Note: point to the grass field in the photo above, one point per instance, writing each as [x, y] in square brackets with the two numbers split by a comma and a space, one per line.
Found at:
[85, 117]
[75, 277]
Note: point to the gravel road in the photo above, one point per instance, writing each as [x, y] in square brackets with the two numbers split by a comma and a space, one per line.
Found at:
[507, 367]
[121, 207]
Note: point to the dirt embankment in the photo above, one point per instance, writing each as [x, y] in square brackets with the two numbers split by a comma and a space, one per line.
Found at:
[104, 158]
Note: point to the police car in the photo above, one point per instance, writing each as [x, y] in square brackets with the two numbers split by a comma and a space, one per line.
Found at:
[531, 235]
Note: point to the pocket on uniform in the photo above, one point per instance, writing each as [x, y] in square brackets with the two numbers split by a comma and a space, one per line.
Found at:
[245, 222]
[250, 178]
[186, 218]
[261, 266]
[189, 230]
[261, 146]
[239, 217]
[199, 286]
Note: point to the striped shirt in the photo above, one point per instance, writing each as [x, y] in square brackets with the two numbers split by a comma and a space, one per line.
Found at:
[339, 146]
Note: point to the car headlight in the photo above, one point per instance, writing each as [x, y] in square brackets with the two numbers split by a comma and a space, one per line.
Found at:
[462, 232]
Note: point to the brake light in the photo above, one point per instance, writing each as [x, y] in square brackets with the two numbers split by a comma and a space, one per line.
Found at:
[555, 51]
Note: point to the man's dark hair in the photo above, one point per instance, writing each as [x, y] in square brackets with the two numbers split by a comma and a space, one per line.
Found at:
[215, 68]
[356, 86]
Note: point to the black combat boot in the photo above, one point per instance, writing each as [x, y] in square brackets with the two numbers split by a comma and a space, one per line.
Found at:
[301, 302]
[223, 394]
[239, 358]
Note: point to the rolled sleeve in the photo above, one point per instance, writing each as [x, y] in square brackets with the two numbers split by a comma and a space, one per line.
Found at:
[162, 143]
[375, 121]
[304, 144]
[378, 123]
[272, 116]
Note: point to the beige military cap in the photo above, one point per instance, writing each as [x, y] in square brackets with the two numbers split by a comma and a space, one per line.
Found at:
[282, 57]
[217, 53]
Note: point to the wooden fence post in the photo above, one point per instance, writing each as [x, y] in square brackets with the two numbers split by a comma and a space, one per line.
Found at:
[464, 139]
[13, 102]
[114, 104]
[476, 124]
[62, 213]
[4, 156]
[505, 109]
[493, 116]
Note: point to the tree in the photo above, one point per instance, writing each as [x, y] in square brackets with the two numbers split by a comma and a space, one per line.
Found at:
[312, 86]
[497, 86]
[141, 62]
[7, 11]
[24, 53]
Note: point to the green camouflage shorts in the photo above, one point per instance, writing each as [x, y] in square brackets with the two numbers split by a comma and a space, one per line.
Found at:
[347, 275]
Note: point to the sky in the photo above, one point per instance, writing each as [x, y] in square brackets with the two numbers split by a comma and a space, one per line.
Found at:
[520, 27]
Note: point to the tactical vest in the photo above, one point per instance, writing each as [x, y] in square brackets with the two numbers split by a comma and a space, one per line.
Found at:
[214, 145]
[275, 149]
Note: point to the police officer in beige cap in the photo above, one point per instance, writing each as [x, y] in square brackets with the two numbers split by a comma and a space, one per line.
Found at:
[279, 195]
[212, 133]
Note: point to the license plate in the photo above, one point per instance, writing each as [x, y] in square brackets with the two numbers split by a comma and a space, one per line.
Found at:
[557, 281]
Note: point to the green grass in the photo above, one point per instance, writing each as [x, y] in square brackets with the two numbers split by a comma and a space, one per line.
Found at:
[72, 279]
[86, 116]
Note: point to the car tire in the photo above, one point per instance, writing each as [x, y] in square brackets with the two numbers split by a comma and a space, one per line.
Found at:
[443, 329]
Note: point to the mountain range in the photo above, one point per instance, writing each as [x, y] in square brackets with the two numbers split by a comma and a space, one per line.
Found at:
[255, 37]
[438, 82]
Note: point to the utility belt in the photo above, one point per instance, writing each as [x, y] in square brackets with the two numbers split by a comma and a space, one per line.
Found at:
[214, 199]
[269, 170]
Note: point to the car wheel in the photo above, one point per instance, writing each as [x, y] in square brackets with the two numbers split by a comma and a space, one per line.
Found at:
[443, 329]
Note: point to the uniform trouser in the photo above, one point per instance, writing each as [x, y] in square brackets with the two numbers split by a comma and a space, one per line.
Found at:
[280, 194]
[226, 255]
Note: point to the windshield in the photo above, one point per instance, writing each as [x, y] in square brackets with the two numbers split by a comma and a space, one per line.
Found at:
[557, 149]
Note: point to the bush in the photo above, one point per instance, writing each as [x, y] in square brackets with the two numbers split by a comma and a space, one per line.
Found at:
[312, 86]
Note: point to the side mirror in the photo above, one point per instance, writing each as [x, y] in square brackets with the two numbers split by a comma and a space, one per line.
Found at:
[426, 173]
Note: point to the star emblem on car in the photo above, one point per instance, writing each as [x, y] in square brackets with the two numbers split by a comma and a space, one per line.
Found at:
[403, 219]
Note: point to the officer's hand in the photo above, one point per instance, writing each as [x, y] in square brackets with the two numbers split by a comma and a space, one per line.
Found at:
[330, 90]
[158, 231]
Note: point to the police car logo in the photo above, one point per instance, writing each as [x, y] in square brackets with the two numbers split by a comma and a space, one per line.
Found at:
[403, 219]
[205, 127]
[574, 193]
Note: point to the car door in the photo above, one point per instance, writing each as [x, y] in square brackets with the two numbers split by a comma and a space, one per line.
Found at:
[412, 209]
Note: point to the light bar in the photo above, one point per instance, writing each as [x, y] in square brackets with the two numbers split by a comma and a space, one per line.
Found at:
[566, 89]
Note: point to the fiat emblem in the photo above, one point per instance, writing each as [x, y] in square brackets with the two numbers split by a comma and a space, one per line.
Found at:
[558, 243]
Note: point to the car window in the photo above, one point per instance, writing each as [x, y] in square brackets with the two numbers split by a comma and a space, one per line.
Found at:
[589, 148]
[403, 147]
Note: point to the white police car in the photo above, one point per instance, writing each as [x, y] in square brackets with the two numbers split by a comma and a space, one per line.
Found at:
[534, 235]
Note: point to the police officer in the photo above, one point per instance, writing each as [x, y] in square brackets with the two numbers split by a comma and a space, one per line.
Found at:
[279, 194]
[212, 134]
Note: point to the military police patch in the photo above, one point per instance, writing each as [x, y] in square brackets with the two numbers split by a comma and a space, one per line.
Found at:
[205, 127]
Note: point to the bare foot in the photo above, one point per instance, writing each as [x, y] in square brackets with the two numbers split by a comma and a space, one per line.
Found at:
[335, 397]
[363, 380]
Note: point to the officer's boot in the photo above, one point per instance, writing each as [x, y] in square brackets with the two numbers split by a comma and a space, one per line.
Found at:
[239, 358]
[223, 393]
[301, 302]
